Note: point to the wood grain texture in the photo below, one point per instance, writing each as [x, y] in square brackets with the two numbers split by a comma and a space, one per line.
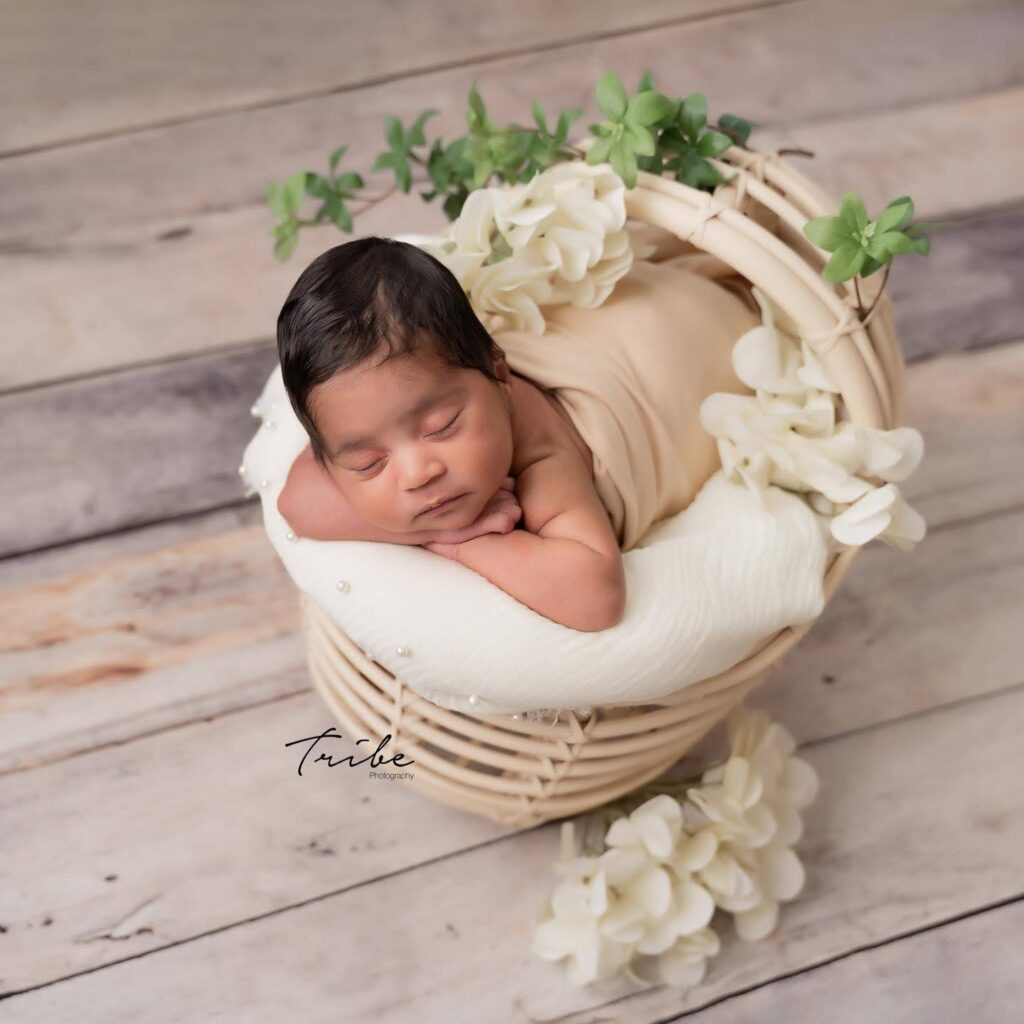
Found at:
[151, 64]
[140, 247]
[966, 970]
[295, 888]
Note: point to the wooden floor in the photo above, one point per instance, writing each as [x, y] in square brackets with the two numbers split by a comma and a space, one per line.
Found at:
[160, 858]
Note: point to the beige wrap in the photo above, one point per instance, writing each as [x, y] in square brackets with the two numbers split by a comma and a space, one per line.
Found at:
[632, 374]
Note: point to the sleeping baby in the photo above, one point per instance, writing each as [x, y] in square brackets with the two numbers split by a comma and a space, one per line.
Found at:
[533, 461]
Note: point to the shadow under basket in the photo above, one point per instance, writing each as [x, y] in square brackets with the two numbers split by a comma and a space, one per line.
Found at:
[521, 772]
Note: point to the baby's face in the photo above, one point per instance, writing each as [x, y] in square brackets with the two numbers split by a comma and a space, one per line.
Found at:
[406, 433]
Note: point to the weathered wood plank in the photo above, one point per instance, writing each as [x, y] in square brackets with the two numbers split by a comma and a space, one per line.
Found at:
[128, 448]
[158, 441]
[143, 641]
[966, 970]
[903, 837]
[82, 253]
[137, 70]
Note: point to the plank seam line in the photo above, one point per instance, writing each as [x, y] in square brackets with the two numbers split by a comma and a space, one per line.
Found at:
[428, 69]
[966, 915]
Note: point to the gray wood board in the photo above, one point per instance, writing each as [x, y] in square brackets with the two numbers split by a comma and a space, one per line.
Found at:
[148, 65]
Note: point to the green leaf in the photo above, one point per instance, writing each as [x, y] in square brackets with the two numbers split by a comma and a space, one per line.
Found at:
[284, 247]
[599, 151]
[647, 108]
[640, 139]
[383, 161]
[877, 250]
[482, 172]
[611, 97]
[393, 132]
[895, 241]
[341, 216]
[319, 186]
[623, 162]
[646, 82]
[453, 205]
[827, 232]
[693, 115]
[845, 262]
[738, 126]
[415, 136]
[713, 143]
[294, 190]
[852, 211]
[896, 214]
[922, 245]
[870, 266]
[565, 119]
[476, 106]
[539, 118]
[275, 200]
[336, 156]
[350, 180]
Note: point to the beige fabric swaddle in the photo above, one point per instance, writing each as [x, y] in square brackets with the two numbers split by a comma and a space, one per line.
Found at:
[632, 374]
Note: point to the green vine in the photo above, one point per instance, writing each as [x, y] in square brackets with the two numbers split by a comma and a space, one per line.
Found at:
[649, 131]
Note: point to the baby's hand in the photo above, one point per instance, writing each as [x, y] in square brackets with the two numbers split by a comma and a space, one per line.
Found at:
[499, 515]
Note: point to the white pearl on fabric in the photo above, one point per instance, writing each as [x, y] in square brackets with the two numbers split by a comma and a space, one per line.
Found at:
[343, 586]
[241, 470]
[291, 536]
[264, 484]
[473, 699]
[402, 650]
[255, 410]
[270, 424]
[517, 718]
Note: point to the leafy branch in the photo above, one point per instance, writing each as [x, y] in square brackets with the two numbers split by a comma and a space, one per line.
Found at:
[650, 132]
[860, 246]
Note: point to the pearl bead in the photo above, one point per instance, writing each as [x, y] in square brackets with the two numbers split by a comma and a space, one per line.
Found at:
[270, 424]
[473, 699]
[264, 484]
[241, 470]
[255, 410]
[402, 650]
[291, 536]
[343, 586]
[517, 718]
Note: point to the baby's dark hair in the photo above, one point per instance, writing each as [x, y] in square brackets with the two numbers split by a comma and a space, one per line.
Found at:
[365, 294]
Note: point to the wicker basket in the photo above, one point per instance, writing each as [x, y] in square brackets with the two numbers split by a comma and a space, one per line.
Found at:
[522, 772]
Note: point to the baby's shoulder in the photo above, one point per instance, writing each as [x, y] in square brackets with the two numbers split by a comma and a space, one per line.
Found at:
[538, 427]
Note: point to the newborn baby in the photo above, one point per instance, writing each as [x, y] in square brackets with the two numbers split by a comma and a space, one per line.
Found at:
[420, 433]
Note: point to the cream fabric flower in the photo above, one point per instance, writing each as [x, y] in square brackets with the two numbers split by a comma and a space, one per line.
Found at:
[787, 434]
[566, 229]
[644, 905]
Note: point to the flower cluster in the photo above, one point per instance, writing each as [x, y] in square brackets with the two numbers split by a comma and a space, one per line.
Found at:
[559, 238]
[787, 434]
[643, 906]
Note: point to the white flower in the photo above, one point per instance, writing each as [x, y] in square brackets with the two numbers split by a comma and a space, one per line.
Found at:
[571, 930]
[566, 229]
[880, 513]
[644, 905]
[786, 434]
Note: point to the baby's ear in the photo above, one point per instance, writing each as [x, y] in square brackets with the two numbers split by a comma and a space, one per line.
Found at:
[501, 370]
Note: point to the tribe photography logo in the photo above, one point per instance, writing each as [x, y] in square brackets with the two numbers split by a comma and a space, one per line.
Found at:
[376, 759]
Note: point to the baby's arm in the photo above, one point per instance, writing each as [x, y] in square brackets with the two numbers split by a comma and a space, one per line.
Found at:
[566, 564]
